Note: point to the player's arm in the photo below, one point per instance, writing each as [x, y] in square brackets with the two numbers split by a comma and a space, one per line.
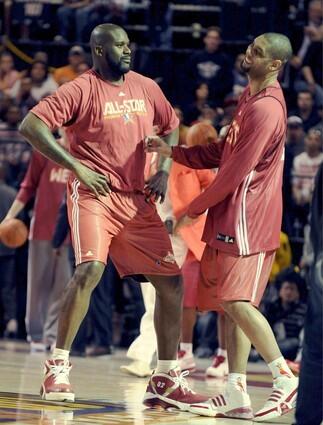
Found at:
[53, 112]
[262, 121]
[41, 138]
[167, 122]
[198, 157]
[171, 140]
[157, 185]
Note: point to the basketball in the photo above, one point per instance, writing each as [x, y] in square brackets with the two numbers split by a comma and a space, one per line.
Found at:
[13, 233]
[201, 133]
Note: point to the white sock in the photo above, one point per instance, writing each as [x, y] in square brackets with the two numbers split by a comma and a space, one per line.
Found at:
[279, 368]
[60, 354]
[164, 366]
[186, 346]
[222, 352]
[237, 381]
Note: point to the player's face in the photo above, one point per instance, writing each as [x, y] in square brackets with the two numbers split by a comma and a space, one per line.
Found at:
[256, 62]
[118, 53]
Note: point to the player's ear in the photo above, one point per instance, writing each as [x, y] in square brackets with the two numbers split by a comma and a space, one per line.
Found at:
[276, 65]
[98, 50]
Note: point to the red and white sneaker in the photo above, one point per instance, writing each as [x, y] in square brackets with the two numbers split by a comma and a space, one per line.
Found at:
[235, 403]
[56, 385]
[219, 367]
[281, 401]
[171, 390]
[186, 361]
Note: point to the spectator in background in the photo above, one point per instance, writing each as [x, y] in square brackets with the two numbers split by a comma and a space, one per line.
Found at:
[68, 17]
[302, 37]
[41, 56]
[305, 167]
[294, 146]
[286, 314]
[8, 74]
[210, 115]
[99, 12]
[194, 110]
[24, 98]
[7, 265]
[312, 68]
[295, 136]
[42, 83]
[76, 56]
[229, 106]
[158, 18]
[48, 271]
[185, 184]
[212, 67]
[82, 67]
[240, 79]
[183, 129]
[13, 148]
[306, 110]
[5, 102]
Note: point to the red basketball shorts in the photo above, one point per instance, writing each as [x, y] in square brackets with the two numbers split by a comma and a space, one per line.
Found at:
[225, 277]
[122, 225]
[191, 276]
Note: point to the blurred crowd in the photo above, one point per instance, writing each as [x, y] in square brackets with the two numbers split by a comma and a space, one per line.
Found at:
[210, 83]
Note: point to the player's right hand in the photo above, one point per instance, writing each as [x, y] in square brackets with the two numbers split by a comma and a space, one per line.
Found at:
[156, 144]
[97, 183]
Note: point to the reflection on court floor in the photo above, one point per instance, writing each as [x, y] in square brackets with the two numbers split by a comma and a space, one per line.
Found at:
[104, 395]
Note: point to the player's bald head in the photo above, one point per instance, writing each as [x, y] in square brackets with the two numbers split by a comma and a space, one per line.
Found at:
[104, 33]
[278, 46]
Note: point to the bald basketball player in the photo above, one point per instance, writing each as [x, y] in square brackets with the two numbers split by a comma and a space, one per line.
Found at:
[107, 112]
[243, 225]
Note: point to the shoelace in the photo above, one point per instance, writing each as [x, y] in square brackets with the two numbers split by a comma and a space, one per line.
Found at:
[182, 382]
[60, 372]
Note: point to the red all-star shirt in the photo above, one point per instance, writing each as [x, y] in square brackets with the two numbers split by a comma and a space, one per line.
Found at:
[106, 124]
[245, 201]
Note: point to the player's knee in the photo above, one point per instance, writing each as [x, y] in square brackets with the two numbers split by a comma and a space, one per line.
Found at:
[170, 286]
[234, 307]
[174, 287]
[87, 275]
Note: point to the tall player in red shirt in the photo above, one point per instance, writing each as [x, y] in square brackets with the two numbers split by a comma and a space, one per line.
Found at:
[243, 224]
[107, 112]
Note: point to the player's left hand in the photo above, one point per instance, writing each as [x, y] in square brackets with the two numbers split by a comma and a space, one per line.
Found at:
[156, 187]
[183, 221]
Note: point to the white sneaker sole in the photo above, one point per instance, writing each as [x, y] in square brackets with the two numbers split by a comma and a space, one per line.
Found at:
[237, 413]
[57, 396]
[158, 401]
[283, 408]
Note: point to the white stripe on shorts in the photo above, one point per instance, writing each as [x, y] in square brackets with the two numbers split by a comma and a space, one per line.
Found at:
[75, 221]
[261, 257]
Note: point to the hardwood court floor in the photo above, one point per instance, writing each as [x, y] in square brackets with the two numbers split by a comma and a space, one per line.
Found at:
[105, 396]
